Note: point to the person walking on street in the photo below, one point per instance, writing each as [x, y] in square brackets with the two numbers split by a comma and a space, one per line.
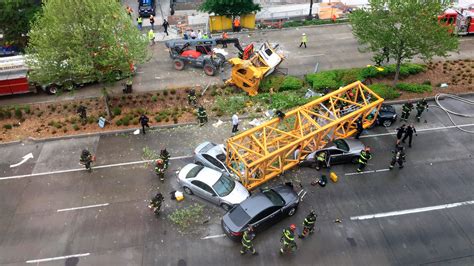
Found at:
[406, 109]
[224, 36]
[420, 108]
[199, 35]
[288, 240]
[308, 224]
[365, 156]
[304, 40]
[165, 26]
[151, 37]
[193, 34]
[152, 22]
[247, 244]
[202, 116]
[409, 134]
[360, 127]
[140, 23]
[86, 159]
[398, 157]
[165, 156]
[400, 132]
[235, 123]
[156, 202]
[144, 122]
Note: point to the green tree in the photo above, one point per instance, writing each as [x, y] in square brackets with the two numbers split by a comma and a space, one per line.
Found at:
[15, 17]
[229, 7]
[402, 30]
[81, 41]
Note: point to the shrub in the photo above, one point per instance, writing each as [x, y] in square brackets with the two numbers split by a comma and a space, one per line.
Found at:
[27, 109]
[18, 113]
[118, 122]
[75, 127]
[322, 80]
[417, 88]
[349, 76]
[291, 83]
[116, 111]
[232, 104]
[173, 91]
[175, 120]
[135, 121]
[288, 99]
[165, 93]
[271, 82]
[384, 91]
[53, 132]
[92, 119]
[7, 126]
[154, 98]
[427, 82]
[158, 119]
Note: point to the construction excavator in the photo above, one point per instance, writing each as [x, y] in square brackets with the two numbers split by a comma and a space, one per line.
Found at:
[268, 150]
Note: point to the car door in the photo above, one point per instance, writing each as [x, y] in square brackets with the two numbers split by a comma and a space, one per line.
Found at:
[336, 156]
[266, 218]
[212, 163]
[204, 191]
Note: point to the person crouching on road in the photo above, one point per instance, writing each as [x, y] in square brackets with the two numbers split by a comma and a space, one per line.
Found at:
[288, 240]
[398, 157]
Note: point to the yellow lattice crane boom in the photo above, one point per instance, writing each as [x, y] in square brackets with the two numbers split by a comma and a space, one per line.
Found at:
[266, 151]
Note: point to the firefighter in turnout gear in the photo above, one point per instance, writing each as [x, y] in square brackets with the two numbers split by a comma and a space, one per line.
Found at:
[406, 109]
[288, 240]
[308, 224]
[160, 169]
[321, 160]
[420, 108]
[247, 244]
[365, 156]
[192, 99]
[398, 157]
[165, 156]
[86, 159]
[202, 116]
[155, 203]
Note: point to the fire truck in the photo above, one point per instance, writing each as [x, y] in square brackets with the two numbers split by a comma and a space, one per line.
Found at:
[462, 19]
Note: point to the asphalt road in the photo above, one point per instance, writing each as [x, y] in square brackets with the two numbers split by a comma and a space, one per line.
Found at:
[329, 46]
[54, 213]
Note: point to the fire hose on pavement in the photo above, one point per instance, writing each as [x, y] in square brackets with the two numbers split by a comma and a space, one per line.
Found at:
[450, 112]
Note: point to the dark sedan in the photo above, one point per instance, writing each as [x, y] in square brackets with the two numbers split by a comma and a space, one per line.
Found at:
[387, 116]
[260, 210]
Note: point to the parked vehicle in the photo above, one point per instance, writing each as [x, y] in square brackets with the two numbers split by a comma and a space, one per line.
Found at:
[211, 185]
[387, 116]
[211, 155]
[146, 8]
[261, 210]
[337, 152]
[461, 20]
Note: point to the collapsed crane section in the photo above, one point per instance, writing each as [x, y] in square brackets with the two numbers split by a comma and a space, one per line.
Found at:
[266, 151]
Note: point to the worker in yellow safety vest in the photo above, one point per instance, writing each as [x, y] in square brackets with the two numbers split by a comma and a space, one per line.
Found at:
[304, 40]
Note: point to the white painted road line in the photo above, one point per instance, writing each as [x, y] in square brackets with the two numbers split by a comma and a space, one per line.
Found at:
[58, 258]
[215, 236]
[83, 169]
[418, 130]
[83, 207]
[369, 172]
[410, 211]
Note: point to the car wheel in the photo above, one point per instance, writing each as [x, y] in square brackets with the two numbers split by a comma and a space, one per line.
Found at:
[51, 89]
[199, 163]
[292, 211]
[178, 64]
[226, 207]
[387, 123]
[355, 159]
[187, 190]
[209, 69]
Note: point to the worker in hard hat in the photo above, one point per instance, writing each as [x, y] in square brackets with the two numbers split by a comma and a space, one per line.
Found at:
[288, 240]
[304, 40]
[365, 156]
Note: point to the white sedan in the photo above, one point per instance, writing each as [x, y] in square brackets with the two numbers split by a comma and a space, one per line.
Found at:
[211, 185]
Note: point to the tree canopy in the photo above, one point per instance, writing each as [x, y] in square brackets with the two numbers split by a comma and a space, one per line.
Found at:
[402, 30]
[82, 41]
[15, 17]
[229, 7]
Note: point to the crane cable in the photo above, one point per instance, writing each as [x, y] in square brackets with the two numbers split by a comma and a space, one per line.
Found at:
[450, 112]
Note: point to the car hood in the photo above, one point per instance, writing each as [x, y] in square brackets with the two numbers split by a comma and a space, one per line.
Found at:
[355, 145]
[238, 194]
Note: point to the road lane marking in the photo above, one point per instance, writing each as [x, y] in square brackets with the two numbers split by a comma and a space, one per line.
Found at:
[368, 172]
[215, 236]
[58, 258]
[25, 158]
[83, 169]
[410, 211]
[418, 130]
[82, 207]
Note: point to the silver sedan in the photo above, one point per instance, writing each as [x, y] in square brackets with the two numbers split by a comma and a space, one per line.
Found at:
[211, 185]
[212, 155]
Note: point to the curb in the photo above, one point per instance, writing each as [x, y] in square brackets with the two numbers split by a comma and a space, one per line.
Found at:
[288, 28]
[431, 98]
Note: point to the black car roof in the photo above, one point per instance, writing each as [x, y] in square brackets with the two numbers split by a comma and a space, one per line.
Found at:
[255, 204]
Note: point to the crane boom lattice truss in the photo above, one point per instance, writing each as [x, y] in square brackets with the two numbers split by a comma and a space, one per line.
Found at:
[266, 151]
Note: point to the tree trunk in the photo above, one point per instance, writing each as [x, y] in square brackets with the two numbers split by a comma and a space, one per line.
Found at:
[105, 93]
[397, 72]
[310, 15]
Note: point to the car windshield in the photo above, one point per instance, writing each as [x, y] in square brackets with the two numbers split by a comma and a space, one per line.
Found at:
[239, 216]
[146, 3]
[194, 172]
[340, 144]
[224, 186]
[221, 157]
[274, 197]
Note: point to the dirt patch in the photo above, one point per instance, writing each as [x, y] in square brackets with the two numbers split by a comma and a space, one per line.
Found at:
[459, 75]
